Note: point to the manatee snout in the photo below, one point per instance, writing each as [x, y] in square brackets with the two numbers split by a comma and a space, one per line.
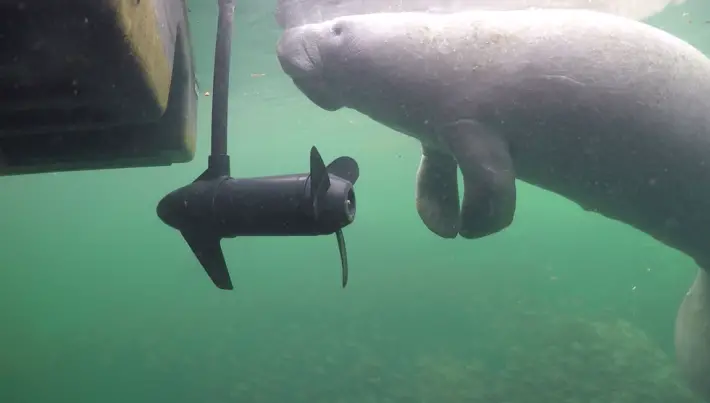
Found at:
[299, 51]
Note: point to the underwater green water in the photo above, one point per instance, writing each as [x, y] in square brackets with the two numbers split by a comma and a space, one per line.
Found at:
[101, 302]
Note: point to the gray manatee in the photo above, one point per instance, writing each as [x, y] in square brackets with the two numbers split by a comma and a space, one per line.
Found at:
[608, 112]
[291, 13]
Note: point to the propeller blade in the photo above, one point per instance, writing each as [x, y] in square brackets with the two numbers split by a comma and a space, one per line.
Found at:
[208, 250]
[320, 181]
[346, 168]
[343, 255]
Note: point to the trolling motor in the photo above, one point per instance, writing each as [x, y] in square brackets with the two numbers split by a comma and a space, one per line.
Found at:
[217, 206]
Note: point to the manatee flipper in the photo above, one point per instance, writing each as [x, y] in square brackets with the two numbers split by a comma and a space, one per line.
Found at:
[437, 195]
[488, 175]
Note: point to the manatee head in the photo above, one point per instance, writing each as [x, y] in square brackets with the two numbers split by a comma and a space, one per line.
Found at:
[357, 62]
[306, 55]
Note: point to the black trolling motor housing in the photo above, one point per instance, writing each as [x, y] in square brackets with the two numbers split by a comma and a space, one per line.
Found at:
[321, 202]
[217, 206]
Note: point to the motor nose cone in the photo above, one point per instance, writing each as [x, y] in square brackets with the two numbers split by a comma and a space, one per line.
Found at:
[172, 209]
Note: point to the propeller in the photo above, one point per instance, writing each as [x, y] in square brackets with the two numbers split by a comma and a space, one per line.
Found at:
[342, 168]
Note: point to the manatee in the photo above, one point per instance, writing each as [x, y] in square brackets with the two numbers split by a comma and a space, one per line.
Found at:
[605, 111]
[291, 13]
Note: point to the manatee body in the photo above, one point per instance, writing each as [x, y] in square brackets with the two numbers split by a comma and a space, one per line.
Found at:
[608, 112]
[291, 13]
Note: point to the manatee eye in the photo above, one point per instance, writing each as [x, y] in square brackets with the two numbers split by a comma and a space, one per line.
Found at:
[337, 28]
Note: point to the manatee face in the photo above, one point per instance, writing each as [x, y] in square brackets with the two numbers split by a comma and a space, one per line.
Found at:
[303, 53]
[345, 62]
